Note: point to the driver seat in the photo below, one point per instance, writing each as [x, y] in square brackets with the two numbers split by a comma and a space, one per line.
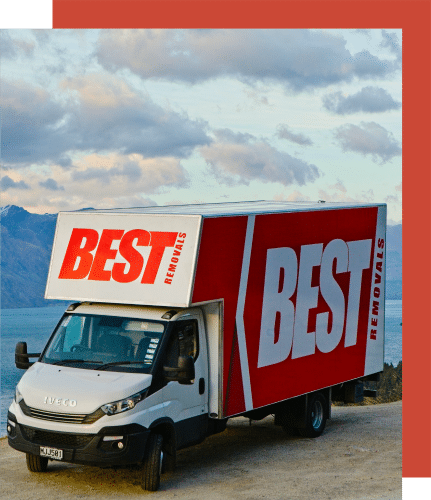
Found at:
[115, 344]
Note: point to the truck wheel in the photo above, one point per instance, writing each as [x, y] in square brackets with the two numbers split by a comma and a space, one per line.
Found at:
[36, 463]
[290, 430]
[287, 425]
[315, 419]
[169, 461]
[152, 463]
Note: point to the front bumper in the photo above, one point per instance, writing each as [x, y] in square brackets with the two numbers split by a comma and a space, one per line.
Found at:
[86, 449]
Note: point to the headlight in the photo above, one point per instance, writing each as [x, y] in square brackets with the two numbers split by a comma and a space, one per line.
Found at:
[124, 404]
[18, 396]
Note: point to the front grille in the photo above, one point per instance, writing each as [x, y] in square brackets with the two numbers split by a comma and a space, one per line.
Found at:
[75, 418]
[56, 439]
[57, 417]
[68, 418]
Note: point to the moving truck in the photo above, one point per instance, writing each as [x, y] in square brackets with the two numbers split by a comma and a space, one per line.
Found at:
[189, 315]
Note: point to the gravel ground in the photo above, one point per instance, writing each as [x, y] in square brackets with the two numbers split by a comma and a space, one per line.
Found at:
[358, 457]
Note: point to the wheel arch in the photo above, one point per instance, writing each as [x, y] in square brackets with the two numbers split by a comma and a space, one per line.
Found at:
[166, 427]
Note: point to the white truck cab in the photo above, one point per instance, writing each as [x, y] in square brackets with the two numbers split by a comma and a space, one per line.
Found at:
[109, 377]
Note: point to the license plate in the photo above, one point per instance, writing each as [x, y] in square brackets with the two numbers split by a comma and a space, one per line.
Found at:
[54, 453]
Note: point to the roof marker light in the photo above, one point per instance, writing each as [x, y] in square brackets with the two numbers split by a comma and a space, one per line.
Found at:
[169, 314]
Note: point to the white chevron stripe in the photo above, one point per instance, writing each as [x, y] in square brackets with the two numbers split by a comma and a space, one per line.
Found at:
[240, 314]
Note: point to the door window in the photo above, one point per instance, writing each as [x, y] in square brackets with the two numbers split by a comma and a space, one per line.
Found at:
[184, 341]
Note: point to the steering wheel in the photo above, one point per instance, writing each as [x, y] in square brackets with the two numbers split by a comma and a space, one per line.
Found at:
[79, 347]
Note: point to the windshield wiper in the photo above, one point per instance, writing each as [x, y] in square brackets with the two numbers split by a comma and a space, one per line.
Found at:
[107, 365]
[75, 361]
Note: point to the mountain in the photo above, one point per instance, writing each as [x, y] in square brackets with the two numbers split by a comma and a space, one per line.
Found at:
[26, 241]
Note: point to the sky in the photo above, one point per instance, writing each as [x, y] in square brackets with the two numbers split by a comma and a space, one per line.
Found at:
[127, 118]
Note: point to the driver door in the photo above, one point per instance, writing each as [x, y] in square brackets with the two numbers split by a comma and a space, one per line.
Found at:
[187, 404]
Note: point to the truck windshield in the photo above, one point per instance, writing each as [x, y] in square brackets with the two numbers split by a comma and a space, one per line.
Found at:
[105, 342]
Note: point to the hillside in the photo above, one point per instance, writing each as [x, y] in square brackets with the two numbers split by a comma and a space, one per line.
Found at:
[26, 241]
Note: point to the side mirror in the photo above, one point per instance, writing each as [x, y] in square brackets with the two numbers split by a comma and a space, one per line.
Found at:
[184, 373]
[21, 356]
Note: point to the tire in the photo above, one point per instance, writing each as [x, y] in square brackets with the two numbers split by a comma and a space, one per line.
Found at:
[290, 430]
[152, 463]
[287, 424]
[169, 461]
[36, 463]
[315, 419]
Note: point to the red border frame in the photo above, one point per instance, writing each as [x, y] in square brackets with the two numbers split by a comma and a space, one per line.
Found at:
[232, 13]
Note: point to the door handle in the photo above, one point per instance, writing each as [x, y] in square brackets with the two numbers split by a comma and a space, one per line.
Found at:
[201, 385]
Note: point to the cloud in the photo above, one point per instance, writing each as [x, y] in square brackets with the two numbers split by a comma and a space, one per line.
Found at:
[390, 41]
[293, 196]
[12, 47]
[391, 198]
[131, 172]
[30, 124]
[339, 186]
[283, 132]
[7, 183]
[125, 202]
[100, 114]
[299, 59]
[112, 116]
[365, 32]
[338, 193]
[99, 181]
[366, 65]
[8, 50]
[35, 201]
[128, 174]
[369, 100]
[51, 185]
[395, 197]
[368, 139]
[241, 158]
[257, 97]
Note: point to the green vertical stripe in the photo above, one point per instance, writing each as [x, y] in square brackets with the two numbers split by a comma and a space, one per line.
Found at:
[416, 489]
[26, 14]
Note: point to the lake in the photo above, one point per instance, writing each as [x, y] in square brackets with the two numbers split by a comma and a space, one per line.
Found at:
[35, 325]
